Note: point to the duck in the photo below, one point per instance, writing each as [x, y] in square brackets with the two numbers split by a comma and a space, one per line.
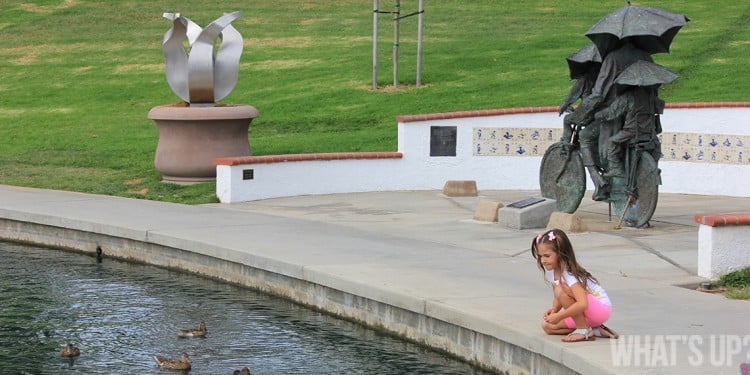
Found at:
[194, 332]
[70, 351]
[244, 371]
[183, 363]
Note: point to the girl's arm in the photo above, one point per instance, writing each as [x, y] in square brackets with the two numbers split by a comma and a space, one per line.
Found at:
[556, 305]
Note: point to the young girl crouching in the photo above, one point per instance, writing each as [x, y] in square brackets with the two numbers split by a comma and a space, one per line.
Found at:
[580, 305]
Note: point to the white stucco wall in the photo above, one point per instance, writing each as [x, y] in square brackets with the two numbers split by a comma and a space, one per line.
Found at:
[706, 178]
[722, 250]
[417, 170]
[285, 179]
[490, 172]
[512, 172]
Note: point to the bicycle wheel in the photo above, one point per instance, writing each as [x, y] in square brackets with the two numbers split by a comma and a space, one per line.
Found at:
[647, 180]
[562, 176]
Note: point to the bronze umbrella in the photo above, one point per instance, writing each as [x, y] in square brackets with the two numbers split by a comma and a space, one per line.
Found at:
[648, 28]
[584, 67]
[583, 60]
[645, 73]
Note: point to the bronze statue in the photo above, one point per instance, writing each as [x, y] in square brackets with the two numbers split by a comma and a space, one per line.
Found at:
[594, 133]
[639, 107]
[584, 66]
[613, 132]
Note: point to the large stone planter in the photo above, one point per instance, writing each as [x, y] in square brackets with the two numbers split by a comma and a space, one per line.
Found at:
[191, 137]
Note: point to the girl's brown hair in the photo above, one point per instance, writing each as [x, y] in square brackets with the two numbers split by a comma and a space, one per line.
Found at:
[566, 258]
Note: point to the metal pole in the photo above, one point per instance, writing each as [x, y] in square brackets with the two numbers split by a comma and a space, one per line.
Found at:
[624, 210]
[420, 27]
[374, 44]
[396, 22]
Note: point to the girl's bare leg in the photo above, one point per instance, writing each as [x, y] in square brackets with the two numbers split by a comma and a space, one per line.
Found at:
[567, 300]
[556, 329]
[560, 328]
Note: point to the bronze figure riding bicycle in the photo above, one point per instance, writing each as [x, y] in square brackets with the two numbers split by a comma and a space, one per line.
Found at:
[613, 133]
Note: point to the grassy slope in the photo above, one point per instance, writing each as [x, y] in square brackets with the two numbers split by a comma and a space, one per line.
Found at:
[78, 77]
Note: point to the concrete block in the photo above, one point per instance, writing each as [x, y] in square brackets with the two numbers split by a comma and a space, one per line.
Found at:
[460, 188]
[722, 250]
[570, 223]
[535, 216]
[487, 210]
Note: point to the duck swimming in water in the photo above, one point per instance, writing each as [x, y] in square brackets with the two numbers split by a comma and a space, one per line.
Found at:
[194, 332]
[244, 371]
[70, 351]
[183, 363]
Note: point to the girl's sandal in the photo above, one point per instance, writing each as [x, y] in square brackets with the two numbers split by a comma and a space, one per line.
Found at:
[587, 334]
[606, 332]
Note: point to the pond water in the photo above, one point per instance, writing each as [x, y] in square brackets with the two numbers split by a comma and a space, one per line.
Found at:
[121, 314]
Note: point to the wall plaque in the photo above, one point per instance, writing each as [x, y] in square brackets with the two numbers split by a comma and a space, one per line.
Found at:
[248, 174]
[443, 141]
[526, 202]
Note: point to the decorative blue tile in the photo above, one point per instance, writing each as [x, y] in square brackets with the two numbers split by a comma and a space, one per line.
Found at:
[684, 147]
[514, 141]
[706, 148]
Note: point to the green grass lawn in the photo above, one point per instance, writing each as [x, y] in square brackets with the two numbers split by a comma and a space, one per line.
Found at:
[79, 76]
[737, 284]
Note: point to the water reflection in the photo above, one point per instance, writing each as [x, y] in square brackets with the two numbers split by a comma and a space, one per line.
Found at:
[122, 314]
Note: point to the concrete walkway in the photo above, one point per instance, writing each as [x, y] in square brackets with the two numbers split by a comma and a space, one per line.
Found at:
[422, 251]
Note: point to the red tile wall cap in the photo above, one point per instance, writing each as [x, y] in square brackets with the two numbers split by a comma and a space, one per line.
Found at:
[514, 111]
[719, 220]
[266, 159]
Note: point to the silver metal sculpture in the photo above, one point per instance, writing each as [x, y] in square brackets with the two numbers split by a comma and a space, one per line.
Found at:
[200, 78]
